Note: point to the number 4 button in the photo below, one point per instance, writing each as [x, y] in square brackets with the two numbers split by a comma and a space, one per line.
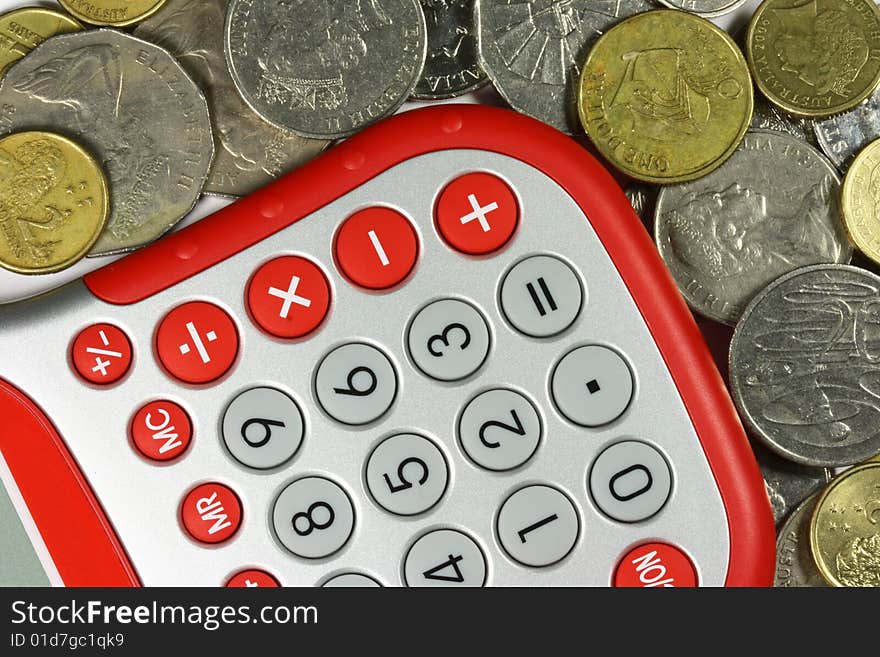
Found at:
[444, 557]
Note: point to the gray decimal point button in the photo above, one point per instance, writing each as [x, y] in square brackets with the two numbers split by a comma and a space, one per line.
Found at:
[541, 296]
[499, 429]
[356, 383]
[630, 481]
[444, 557]
[313, 517]
[448, 339]
[407, 474]
[538, 525]
[263, 428]
[351, 581]
[592, 385]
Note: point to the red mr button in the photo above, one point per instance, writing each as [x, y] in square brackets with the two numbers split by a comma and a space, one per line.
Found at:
[477, 213]
[655, 565]
[211, 513]
[197, 342]
[376, 248]
[288, 297]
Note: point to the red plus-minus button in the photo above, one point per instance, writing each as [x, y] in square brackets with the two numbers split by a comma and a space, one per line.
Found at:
[288, 297]
[211, 513]
[376, 248]
[101, 354]
[252, 578]
[655, 565]
[477, 213]
[197, 342]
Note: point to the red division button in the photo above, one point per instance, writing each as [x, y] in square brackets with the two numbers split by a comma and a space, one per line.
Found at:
[101, 354]
[477, 213]
[211, 513]
[655, 565]
[197, 342]
[288, 297]
[376, 248]
[252, 578]
[161, 430]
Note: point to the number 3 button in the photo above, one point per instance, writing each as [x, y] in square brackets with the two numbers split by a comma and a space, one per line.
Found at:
[448, 339]
[356, 383]
[407, 474]
[313, 517]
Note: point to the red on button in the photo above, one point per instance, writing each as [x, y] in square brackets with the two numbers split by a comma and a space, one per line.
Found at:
[101, 354]
[252, 578]
[197, 342]
[288, 297]
[161, 430]
[211, 513]
[655, 565]
[477, 213]
[376, 248]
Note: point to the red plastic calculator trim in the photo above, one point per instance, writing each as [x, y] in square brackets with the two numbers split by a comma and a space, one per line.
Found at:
[77, 533]
[351, 164]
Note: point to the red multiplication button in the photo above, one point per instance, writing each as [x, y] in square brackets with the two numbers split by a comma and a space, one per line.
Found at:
[101, 354]
[655, 565]
[161, 430]
[252, 579]
[197, 342]
[477, 213]
[211, 513]
[288, 297]
[376, 248]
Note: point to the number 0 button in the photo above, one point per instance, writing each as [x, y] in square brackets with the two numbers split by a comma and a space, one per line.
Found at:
[444, 557]
[499, 429]
[313, 517]
[630, 481]
[407, 474]
[538, 525]
[263, 428]
[356, 383]
[448, 339]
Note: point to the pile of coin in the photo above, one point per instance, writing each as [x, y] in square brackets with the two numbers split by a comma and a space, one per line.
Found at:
[754, 159]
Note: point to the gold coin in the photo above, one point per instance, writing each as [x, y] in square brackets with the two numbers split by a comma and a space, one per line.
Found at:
[815, 58]
[53, 202]
[23, 30]
[845, 528]
[665, 96]
[112, 12]
[861, 201]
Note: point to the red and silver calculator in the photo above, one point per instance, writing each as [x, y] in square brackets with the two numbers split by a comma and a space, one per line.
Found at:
[445, 353]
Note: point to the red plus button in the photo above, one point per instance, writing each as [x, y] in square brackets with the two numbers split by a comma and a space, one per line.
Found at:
[211, 513]
[252, 578]
[655, 565]
[477, 213]
[197, 342]
[101, 354]
[376, 248]
[161, 430]
[288, 297]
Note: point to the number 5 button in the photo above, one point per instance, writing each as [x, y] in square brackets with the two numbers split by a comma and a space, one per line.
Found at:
[407, 474]
[448, 339]
[538, 525]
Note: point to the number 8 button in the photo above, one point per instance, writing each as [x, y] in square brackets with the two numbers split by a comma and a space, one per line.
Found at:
[313, 517]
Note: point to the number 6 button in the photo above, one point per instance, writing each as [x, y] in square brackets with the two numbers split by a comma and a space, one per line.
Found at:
[313, 517]
[448, 339]
[356, 383]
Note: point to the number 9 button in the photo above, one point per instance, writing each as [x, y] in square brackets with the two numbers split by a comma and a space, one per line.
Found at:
[407, 474]
[448, 339]
[263, 428]
[313, 517]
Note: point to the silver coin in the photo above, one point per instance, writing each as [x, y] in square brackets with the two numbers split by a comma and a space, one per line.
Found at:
[644, 200]
[794, 560]
[532, 50]
[772, 207]
[788, 483]
[842, 137]
[767, 116]
[451, 67]
[705, 8]
[249, 152]
[325, 68]
[134, 108]
[805, 365]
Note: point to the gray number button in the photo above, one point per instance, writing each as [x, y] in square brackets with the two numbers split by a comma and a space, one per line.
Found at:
[541, 296]
[313, 517]
[499, 429]
[448, 339]
[351, 581]
[263, 428]
[356, 383]
[444, 557]
[538, 525]
[630, 481]
[407, 474]
[592, 385]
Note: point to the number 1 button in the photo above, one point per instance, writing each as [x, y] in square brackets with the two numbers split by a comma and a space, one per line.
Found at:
[538, 526]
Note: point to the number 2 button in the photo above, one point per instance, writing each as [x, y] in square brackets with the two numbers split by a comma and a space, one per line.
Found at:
[313, 517]
[444, 557]
[356, 383]
[448, 339]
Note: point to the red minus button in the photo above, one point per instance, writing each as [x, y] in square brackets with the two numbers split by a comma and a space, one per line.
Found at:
[655, 565]
[376, 248]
